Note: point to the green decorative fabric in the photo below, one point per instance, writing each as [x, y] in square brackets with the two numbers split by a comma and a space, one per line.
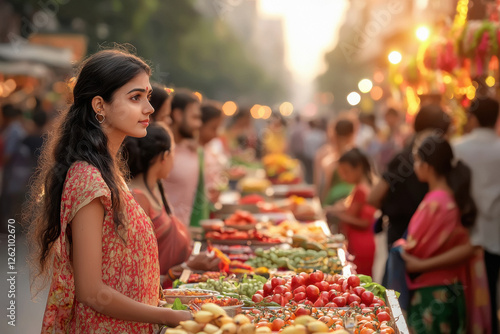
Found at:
[338, 190]
[201, 208]
[438, 309]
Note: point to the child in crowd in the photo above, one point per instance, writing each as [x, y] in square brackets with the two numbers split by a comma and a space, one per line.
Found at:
[356, 216]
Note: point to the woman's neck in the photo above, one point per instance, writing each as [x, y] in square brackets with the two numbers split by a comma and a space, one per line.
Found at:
[114, 144]
[343, 145]
[146, 184]
[151, 180]
[362, 181]
[438, 183]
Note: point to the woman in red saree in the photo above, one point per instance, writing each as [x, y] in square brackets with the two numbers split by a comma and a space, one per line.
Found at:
[438, 230]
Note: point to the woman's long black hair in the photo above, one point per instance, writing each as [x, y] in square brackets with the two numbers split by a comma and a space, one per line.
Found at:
[355, 158]
[78, 136]
[437, 152]
[141, 153]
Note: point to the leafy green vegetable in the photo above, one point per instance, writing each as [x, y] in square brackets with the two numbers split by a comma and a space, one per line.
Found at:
[377, 289]
[365, 279]
[178, 306]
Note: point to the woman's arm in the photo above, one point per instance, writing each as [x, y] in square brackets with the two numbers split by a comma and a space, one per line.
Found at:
[451, 258]
[346, 218]
[379, 191]
[91, 290]
[201, 262]
[351, 214]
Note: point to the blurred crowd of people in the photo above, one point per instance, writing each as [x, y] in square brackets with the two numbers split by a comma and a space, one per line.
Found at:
[434, 193]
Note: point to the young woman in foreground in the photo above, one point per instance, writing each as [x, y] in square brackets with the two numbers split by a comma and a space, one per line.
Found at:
[93, 240]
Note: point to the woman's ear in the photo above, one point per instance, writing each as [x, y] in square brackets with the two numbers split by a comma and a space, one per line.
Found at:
[98, 105]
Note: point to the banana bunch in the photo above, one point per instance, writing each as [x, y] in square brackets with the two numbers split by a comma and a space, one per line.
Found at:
[213, 319]
[305, 324]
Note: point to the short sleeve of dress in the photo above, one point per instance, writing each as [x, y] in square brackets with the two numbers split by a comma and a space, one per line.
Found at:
[359, 195]
[84, 183]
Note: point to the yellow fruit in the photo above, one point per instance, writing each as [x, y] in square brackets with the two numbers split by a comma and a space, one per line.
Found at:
[214, 309]
[340, 331]
[317, 326]
[222, 320]
[241, 319]
[210, 329]
[175, 331]
[263, 330]
[203, 317]
[229, 328]
[303, 320]
[191, 326]
[295, 329]
[246, 329]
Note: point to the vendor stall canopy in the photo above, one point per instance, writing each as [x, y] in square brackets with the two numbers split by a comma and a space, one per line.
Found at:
[30, 53]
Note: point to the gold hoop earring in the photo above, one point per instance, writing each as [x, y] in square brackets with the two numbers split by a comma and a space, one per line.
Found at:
[97, 118]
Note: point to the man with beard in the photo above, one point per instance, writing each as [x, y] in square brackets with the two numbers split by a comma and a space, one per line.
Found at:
[185, 186]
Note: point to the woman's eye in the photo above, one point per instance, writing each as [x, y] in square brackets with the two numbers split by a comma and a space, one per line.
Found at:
[136, 97]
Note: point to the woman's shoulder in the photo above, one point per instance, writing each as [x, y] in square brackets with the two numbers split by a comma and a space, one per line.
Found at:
[82, 168]
[83, 175]
[441, 196]
[362, 188]
[438, 200]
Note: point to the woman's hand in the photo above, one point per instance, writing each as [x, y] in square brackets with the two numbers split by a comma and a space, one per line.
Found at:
[173, 318]
[203, 262]
[456, 256]
[336, 209]
[413, 263]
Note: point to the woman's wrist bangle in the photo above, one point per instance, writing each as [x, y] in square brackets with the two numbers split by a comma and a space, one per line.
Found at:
[171, 275]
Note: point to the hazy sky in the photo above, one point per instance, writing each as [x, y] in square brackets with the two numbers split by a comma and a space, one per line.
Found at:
[311, 28]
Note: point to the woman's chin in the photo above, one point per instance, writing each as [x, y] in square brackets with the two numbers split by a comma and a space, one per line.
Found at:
[139, 133]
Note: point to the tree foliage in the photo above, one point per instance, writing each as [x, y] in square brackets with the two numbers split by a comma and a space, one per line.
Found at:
[185, 48]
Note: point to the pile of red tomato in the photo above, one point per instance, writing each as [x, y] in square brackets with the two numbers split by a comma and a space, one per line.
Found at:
[317, 290]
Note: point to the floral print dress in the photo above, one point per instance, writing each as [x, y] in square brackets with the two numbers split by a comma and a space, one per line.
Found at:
[129, 267]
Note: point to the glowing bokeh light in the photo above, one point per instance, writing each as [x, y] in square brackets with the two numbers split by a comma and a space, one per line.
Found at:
[353, 98]
[395, 57]
[365, 85]
[423, 33]
[286, 109]
[229, 108]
